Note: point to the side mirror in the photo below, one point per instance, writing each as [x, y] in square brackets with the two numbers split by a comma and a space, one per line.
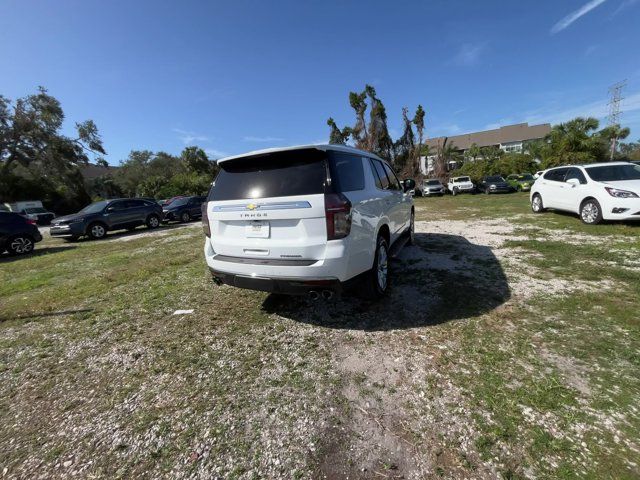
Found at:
[574, 182]
[409, 184]
[109, 209]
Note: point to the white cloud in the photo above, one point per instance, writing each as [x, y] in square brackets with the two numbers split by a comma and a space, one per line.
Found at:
[262, 139]
[468, 54]
[575, 15]
[212, 152]
[189, 137]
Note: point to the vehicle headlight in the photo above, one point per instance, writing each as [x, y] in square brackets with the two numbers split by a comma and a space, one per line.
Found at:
[492, 186]
[614, 192]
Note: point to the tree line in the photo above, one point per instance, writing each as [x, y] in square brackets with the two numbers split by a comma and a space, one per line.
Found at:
[38, 162]
[577, 141]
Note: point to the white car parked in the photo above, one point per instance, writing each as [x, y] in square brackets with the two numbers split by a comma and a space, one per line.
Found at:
[458, 185]
[599, 191]
[305, 220]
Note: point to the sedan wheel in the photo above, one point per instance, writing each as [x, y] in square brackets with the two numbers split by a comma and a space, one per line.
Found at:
[20, 245]
[536, 204]
[185, 217]
[97, 231]
[590, 212]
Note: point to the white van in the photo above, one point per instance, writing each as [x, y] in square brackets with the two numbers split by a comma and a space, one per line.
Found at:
[305, 219]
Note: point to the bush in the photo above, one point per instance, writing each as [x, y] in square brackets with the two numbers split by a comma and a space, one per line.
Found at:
[505, 165]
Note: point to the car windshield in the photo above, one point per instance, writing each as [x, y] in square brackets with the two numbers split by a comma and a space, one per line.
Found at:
[526, 177]
[495, 178]
[612, 173]
[94, 207]
[35, 210]
[433, 182]
[461, 179]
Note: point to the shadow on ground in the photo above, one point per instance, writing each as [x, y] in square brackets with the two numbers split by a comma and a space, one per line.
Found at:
[441, 278]
[138, 231]
[6, 258]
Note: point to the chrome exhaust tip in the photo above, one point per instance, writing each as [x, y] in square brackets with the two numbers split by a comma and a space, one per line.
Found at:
[327, 294]
[313, 295]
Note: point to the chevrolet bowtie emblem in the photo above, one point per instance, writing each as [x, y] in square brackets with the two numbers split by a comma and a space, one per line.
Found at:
[252, 206]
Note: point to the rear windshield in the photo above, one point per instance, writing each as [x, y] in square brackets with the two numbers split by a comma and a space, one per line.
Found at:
[611, 173]
[280, 174]
[35, 210]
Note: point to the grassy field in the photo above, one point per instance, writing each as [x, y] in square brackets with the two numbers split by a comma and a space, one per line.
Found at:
[508, 347]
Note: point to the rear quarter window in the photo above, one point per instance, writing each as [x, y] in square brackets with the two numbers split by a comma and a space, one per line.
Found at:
[347, 174]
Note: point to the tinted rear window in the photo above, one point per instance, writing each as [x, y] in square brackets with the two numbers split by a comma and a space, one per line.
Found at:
[347, 174]
[280, 174]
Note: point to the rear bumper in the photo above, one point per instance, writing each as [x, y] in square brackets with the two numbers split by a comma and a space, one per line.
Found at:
[288, 286]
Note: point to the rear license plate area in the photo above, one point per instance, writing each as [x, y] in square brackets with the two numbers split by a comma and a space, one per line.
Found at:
[257, 229]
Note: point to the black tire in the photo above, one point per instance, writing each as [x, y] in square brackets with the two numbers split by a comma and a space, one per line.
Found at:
[487, 191]
[374, 287]
[185, 217]
[96, 230]
[412, 239]
[153, 221]
[20, 245]
[536, 204]
[591, 212]
[454, 192]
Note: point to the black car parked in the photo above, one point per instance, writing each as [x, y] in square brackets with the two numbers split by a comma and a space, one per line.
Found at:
[18, 234]
[183, 209]
[494, 184]
[97, 219]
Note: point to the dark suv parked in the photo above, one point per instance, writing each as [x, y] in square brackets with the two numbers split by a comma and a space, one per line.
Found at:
[18, 235]
[494, 184]
[183, 209]
[96, 219]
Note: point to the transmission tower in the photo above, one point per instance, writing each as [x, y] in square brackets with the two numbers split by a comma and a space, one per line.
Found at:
[615, 92]
[613, 119]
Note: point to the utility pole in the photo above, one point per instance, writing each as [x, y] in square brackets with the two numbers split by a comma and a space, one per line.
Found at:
[613, 119]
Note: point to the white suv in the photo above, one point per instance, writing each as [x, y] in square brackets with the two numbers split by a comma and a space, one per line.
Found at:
[599, 191]
[305, 220]
[458, 185]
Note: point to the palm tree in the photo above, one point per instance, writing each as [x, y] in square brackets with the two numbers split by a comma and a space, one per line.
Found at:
[613, 133]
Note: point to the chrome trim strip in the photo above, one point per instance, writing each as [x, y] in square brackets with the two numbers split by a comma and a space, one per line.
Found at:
[260, 206]
[265, 261]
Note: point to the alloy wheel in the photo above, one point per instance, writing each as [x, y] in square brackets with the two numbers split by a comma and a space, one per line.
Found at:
[154, 222]
[536, 203]
[97, 231]
[589, 212]
[382, 267]
[21, 245]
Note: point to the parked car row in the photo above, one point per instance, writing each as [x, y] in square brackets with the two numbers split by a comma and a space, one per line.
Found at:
[489, 184]
[19, 231]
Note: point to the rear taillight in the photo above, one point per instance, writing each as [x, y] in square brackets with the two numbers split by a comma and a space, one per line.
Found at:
[205, 220]
[31, 222]
[337, 209]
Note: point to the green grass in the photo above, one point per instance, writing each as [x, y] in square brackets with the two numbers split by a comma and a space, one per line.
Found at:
[95, 369]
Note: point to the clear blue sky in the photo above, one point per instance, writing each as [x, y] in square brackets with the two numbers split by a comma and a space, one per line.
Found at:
[240, 75]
